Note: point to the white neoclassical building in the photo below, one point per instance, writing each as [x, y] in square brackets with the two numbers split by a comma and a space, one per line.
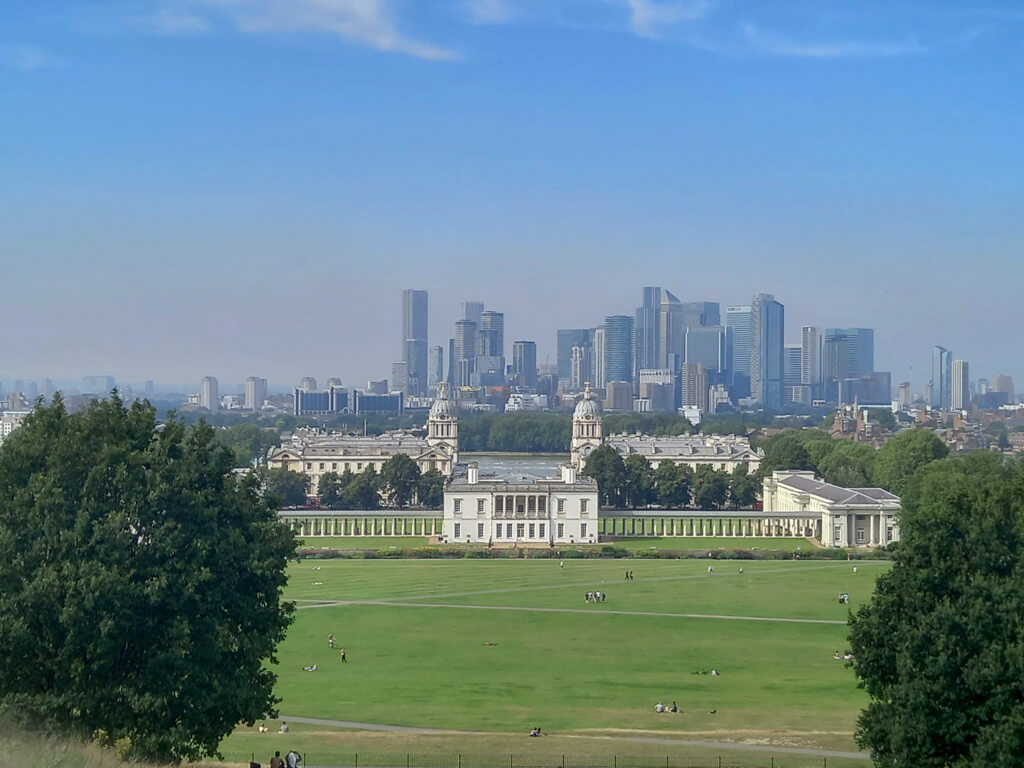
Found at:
[850, 517]
[720, 452]
[517, 509]
[313, 453]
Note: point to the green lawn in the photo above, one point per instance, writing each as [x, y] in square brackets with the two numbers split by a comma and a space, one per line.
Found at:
[420, 658]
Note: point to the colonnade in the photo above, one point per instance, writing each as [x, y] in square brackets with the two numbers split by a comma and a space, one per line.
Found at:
[354, 525]
[702, 525]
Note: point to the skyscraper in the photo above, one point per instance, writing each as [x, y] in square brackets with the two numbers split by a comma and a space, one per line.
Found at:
[706, 345]
[581, 368]
[942, 378]
[209, 393]
[695, 386]
[255, 393]
[464, 352]
[618, 348]
[598, 378]
[524, 363]
[792, 370]
[767, 326]
[859, 357]
[960, 397]
[492, 334]
[435, 366]
[567, 339]
[308, 384]
[700, 314]
[810, 355]
[414, 340]
[738, 322]
[1003, 383]
[471, 310]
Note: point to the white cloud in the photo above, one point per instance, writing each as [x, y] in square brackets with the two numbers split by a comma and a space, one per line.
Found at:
[27, 58]
[777, 45]
[646, 16]
[488, 11]
[365, 22]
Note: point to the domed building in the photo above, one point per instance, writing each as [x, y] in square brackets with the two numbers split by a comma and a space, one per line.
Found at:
[587, 434]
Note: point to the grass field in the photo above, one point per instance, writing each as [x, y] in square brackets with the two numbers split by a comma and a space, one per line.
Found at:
[415, 633]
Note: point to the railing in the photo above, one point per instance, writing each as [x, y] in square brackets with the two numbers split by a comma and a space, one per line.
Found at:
[531, 760]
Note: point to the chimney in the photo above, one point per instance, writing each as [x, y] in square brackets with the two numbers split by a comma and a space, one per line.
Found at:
[568, 474]
[473, 474]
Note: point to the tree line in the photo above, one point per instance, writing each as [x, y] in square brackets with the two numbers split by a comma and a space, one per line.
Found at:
[399, 483]
[633, 483]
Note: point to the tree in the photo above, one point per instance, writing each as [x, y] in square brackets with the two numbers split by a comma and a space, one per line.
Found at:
[884, 417]
[431, 489]
[901, 457]
[940, 646]
[605, 465]
[140, 581]
[288, 487]
[249, 442]
[637, 481]
[332, 489]
[674, 483]
[710, 487]
[364, 490]
[399, 477]
[784, 451]
[743, 487]
[849, 464]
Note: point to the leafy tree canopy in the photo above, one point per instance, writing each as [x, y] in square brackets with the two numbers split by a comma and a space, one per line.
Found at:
[605, 465]
[400, 477]
[431, 489]
[784, 451]
[140, 581]
[898, 460]
[288, 488]
[710, 488]
[674, 483]
[848, 464]
[940, 646]
[637, 481]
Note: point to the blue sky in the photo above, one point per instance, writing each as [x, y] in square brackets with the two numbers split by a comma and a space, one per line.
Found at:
[238, 187]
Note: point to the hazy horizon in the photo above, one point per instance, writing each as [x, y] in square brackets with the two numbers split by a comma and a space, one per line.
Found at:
[206, 188]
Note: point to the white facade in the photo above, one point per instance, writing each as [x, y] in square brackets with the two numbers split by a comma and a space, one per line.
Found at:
[720, 452]
[520, 510]
[10, 421]
[850, 517]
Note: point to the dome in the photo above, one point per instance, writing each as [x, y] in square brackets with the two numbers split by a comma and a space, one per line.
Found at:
[442, 407]
[588, 407]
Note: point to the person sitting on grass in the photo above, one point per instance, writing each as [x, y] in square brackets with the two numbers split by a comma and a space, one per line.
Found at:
[309, 668]
[674, 707]
[659, 707]
[536, 732]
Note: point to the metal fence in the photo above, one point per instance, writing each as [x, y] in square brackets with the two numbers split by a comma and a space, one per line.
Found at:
[533, 760]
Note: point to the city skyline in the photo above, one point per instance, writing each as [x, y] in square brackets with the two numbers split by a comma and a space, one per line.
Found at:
[183, 174]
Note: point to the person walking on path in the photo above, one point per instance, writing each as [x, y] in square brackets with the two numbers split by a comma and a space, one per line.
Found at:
[343, 659]
[330, 640]
[276, 761]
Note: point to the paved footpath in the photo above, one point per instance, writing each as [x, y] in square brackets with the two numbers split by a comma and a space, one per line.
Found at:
[738, 746]
[589, 611]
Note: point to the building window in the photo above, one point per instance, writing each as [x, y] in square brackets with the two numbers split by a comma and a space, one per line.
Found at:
[531, 505]
[334, 465]
[838, 533]
[888, 533]
[497, 531]
[583, 505]
[321, 466]
[583, 529]
[499, 505]
[520, 530]
[540, 532]
[508, 530]
[542, 506]
[860, 535]
[561, 530]
[458, 530]
[480, 505]
[458, 505]
[561, 505]
[359, 465]
[533, 531]
[480, 531]
[309, 465]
